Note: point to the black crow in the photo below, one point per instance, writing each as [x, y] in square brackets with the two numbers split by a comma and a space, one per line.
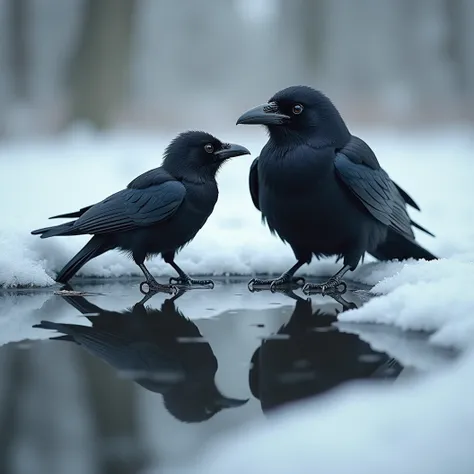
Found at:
[159, 349]
[159, 212]
[323, 191]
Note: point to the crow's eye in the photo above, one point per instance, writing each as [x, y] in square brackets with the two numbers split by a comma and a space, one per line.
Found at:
[209, 148]
[297, 109]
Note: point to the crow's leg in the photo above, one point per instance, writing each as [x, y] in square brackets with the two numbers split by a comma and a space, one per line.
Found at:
[184, 280]
[285, 280]
[333, 285]
[153, 285]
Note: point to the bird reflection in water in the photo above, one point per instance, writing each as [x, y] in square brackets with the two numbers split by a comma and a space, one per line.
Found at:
[160, 349]
[309, 356]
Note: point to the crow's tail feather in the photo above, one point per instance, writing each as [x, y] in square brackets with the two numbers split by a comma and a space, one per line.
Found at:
[397, 247]
[72, 214]
[61, 229]
[63, 328]
[418, 226]
[95, 247]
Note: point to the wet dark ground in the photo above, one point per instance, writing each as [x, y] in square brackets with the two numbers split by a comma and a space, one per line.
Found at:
[122, 386]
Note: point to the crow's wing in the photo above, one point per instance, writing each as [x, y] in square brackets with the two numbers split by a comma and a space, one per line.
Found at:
[406, 197]
[131, 209]
[253, 183]
[145, 180]
[358, 168]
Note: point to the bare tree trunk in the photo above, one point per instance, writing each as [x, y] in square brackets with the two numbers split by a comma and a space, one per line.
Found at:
[100, 68]
[17, 15]
[303, 22]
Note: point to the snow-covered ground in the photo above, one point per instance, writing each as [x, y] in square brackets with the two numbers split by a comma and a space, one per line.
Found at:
[40, 178]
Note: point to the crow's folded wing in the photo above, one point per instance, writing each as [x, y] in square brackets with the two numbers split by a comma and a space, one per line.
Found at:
[131, 209]
[358, 168]
[153, 177]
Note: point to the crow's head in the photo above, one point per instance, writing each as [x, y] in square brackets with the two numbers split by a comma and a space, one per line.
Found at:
[298, 110]
[199, 153]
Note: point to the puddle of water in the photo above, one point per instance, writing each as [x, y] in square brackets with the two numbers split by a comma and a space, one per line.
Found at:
[153, 381]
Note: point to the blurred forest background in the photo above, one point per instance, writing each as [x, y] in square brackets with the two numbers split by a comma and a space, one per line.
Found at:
[151, 64]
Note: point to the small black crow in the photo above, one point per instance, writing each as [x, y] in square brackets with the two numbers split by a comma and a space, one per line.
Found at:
[323, 191]
[159, 212]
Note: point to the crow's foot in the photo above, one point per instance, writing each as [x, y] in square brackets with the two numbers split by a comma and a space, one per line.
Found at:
[333, 286]
[187, 282]
[152, 286]
[284, 282]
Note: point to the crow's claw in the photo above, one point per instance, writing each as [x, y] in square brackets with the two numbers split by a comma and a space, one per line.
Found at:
[332, 286]
[285, 281]
[188, 282]
[155, 287]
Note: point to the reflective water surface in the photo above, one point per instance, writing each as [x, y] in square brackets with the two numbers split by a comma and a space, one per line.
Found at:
[107, 383]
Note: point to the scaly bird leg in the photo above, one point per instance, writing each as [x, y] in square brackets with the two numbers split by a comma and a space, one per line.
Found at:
[333, 285]
[285, 280]
[184, 280]
[153, 285]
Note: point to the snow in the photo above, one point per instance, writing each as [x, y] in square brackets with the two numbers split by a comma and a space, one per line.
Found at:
[412, 427]
[425, 296]
[79, 168]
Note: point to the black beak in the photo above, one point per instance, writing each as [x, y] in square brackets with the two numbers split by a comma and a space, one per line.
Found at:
[266, 114]
[230, 150]
[225, 402]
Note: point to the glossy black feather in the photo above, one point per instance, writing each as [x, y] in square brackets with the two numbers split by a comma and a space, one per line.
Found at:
[360, 171]
[132, 209]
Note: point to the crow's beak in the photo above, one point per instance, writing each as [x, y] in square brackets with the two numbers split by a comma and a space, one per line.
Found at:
[266, 114]
[225, 402]
[230, 150]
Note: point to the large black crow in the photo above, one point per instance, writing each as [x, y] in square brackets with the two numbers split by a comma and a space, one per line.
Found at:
[323, 191]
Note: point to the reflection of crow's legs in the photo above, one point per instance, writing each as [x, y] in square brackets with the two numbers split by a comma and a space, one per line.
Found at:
[171, 300]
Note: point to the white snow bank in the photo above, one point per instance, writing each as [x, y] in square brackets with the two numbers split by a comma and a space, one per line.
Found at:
[43, 178]
[413, 427]
[435, 297]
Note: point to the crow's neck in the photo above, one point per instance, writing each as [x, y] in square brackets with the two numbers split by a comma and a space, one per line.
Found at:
[186, 173]
[316, 137]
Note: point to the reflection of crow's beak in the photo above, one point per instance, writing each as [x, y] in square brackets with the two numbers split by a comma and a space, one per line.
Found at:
[229, 150]
[224, 402]
[266, 114]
